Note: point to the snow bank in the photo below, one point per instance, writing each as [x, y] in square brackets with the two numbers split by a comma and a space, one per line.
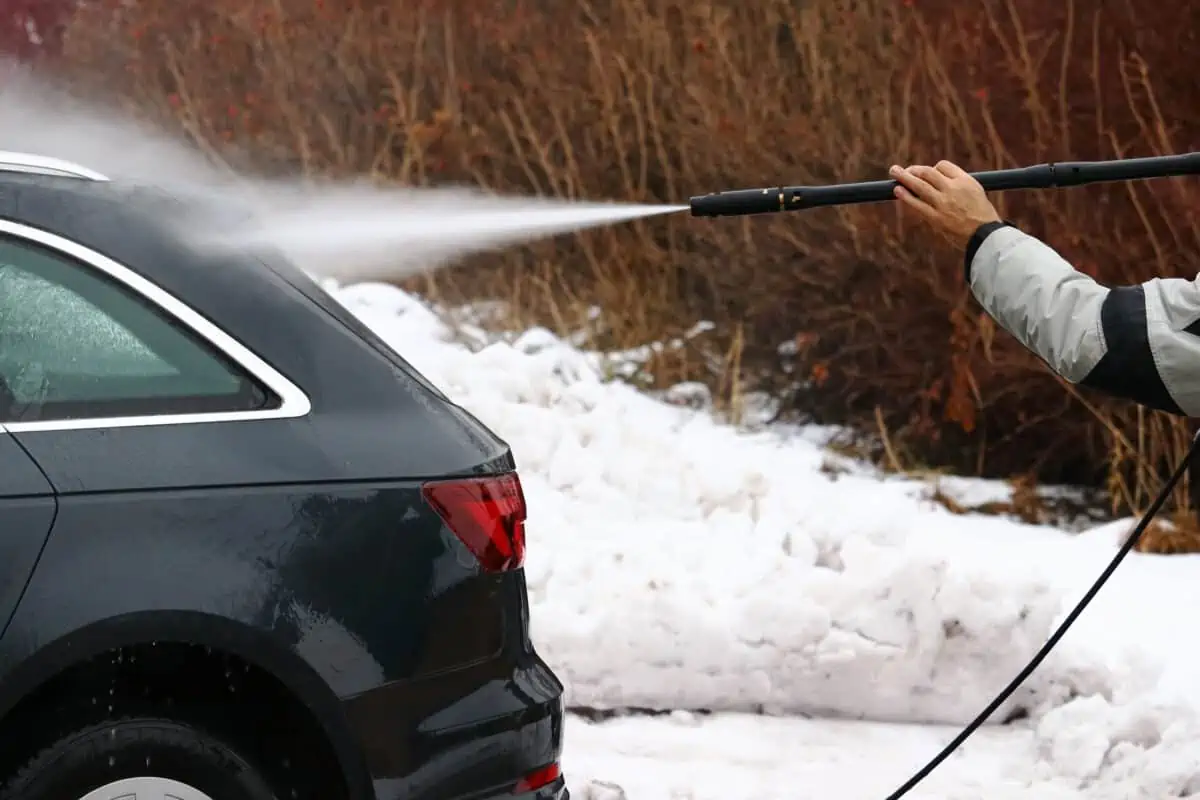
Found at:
[677, 563]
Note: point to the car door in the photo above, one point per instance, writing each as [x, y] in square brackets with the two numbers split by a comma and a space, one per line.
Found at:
[27, 507]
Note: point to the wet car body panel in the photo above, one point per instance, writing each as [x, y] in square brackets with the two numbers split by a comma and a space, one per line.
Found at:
[27, 508]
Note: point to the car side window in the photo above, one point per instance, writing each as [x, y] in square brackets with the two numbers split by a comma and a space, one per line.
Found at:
[76, 344]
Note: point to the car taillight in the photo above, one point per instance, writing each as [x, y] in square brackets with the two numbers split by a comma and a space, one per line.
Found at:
[537, 779]
[486, 514]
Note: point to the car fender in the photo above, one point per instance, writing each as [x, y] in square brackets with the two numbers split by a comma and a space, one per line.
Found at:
[241, 610]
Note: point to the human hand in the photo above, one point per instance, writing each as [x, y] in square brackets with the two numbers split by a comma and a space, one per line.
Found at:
[947, 197]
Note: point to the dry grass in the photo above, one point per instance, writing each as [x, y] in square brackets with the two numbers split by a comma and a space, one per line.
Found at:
[1177, 535]
[30, 28]
[655, 100]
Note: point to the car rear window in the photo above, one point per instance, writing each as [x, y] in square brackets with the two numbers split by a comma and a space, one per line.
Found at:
[74, 344]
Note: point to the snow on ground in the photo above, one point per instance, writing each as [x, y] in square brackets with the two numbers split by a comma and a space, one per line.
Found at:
[678, 563]
[742, 756]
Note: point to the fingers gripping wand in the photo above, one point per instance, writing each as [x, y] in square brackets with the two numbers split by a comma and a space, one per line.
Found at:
[742, 202]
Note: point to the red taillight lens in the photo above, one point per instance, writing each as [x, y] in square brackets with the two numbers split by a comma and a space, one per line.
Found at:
[537, 779]
[486, 514]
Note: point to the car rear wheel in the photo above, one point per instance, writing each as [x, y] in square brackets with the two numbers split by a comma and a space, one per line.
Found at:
[139, 759]
[146, 788]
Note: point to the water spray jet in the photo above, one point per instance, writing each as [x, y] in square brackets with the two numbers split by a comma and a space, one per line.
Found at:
[347, 230]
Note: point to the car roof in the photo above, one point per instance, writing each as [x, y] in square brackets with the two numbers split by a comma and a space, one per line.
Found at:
[32, 164]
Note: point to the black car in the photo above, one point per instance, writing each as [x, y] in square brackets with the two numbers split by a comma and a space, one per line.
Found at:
[247, 552]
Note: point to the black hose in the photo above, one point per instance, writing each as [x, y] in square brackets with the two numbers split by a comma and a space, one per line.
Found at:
[1055, 637]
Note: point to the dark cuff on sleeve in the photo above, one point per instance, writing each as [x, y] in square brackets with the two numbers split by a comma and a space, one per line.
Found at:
[976, 241]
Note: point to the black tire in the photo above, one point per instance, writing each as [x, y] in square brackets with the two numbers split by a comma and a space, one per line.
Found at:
[102, 754]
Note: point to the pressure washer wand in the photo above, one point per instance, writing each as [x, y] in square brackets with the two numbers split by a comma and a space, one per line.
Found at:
[743, 202]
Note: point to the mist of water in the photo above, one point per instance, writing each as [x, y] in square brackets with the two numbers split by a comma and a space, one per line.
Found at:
[348, 231]
[370, 233]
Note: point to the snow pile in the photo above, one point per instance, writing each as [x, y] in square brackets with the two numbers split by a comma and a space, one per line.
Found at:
[676, 563]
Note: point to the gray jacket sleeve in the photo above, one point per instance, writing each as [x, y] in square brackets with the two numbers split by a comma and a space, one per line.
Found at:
[1138, 342]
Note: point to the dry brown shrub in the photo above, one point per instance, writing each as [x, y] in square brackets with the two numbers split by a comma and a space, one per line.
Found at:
[1078, 80]
[1178, 534]
[655, 100]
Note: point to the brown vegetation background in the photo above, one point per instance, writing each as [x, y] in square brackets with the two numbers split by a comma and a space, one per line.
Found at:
[656, 100]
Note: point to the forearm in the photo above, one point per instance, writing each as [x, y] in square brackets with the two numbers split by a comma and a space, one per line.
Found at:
[1133, 342]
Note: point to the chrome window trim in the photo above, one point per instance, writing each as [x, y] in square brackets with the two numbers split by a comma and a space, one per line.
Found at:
[45, 165]
[293, 401]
